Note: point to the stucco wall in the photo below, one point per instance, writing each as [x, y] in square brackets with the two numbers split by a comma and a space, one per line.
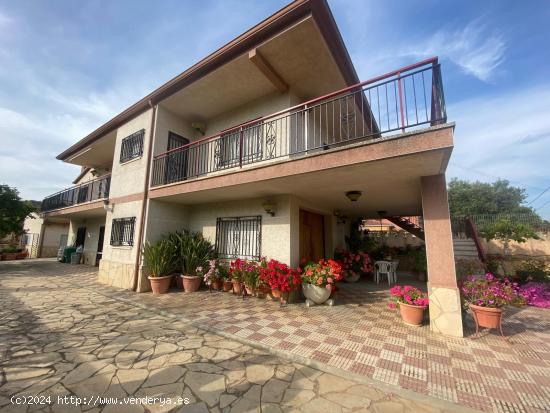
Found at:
[51, 239]
[164, 217]
[128, 178]
[530, 248]
[275, 230]
[170, 122]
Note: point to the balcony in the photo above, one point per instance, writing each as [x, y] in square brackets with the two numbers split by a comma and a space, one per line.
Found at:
[80, 194]
[404, 100]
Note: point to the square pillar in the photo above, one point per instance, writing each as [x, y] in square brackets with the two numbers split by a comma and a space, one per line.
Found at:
[445, 308]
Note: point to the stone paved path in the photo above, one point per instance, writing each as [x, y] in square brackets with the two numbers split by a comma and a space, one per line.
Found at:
[61, 338]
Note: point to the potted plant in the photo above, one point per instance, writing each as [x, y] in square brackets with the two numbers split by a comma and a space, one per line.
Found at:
[486, 296]
[227, 285]
[159, 259]
[10, 253]
[281, 278]
[319, 281]
[195, 251]
[353, 264]
[237, 269]
[411, 302]
[251, 278]
[212, 276]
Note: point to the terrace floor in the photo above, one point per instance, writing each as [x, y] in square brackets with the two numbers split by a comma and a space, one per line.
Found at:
[360, 338]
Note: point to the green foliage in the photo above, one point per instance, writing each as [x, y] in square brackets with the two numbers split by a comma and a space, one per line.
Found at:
[420, 260]
[533, 270]
[193, 249]
[465, 267]
[159, 258]
[506, 230]
[492, 266]
[475, 198]
[13, 211]
[361, 241]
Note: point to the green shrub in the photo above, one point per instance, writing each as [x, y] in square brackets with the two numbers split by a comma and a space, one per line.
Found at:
[159, 258]
[533, 270]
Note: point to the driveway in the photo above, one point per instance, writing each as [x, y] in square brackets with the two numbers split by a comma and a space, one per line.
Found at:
[74, 346]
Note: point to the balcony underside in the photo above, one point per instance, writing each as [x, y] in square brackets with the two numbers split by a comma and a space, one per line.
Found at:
[92, 209]
[387, 172]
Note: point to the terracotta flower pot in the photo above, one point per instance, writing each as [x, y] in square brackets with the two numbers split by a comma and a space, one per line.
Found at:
[237, 289]
[412, 315]
[179, 282]
[249, 291]
[191, 283]
[217, 285]
[276, 293]
[487, 317]
[160, 285]
[8, 256]
[227, 286]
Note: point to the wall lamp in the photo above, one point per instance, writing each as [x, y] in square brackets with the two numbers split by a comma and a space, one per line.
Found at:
[269, 208]
[353, 196]
[107, 206]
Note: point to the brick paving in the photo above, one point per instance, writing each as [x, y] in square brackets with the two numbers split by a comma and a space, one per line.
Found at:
[362, 337]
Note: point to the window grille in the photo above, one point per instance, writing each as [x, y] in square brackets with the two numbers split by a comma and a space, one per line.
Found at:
[239, 237]
[122, 232]
[132, 146]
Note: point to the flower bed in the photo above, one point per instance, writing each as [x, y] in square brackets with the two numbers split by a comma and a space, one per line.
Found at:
[536, 294]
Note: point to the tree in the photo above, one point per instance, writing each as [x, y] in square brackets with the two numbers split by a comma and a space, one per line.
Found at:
[477, 198]
[13, 211]
[505, 230]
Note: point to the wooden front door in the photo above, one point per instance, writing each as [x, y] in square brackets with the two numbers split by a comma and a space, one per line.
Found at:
[312, 236]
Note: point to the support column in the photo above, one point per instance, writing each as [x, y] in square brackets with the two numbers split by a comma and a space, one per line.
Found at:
[445, 309]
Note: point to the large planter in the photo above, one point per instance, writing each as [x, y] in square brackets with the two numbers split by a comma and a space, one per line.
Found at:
[227, 286]
[315, 294]
[351, 277]
[412, 315]
[191, 283]
[8, 256]
[487, 317]
[237, 287]
[160, 285]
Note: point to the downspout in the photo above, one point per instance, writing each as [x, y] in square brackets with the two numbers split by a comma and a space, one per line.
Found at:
[141, 232]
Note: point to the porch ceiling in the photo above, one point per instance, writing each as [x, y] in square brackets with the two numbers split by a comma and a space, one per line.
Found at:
[83, 211]
[299, 55]
[97, 155]
[390, 184]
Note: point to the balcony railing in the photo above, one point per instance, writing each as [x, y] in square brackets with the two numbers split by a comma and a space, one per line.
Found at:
[401, 100]
[82, 193]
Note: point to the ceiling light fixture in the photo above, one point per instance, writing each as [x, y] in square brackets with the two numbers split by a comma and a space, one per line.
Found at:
[353, 196]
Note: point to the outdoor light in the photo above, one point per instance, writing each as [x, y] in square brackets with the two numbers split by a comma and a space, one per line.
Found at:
[353, 195]
[108, 207]
[269, 208]
[199, 126]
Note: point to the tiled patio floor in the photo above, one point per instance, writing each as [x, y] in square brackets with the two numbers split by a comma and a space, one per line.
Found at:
[362, 336]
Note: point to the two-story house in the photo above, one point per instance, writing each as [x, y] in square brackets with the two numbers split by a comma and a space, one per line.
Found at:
[262, 146]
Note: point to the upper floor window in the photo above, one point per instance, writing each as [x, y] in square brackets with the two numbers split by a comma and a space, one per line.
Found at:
[122, 232]
[132, 146]
[239, 237]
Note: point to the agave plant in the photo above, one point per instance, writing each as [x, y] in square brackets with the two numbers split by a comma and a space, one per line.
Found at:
[159, 258]
[194, 251]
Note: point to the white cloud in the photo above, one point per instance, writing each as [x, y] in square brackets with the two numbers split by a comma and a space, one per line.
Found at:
[506, 135]
[476, 49]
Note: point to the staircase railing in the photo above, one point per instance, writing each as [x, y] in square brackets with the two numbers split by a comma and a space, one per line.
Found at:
[471, 232]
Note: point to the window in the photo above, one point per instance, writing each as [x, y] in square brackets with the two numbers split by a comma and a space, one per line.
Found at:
[239, 237]
[132, 146]
[122, 232]
[228, 146]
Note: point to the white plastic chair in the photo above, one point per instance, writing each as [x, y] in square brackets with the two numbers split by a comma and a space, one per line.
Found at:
[395, 264]
[384, 268]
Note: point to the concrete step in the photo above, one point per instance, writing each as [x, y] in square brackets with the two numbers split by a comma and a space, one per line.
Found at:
[464, 248]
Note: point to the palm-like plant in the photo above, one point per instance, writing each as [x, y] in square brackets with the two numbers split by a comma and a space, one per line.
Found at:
[159, 258]
[194, 251]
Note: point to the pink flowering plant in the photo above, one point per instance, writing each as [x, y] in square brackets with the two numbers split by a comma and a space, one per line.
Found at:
[210, 274]
[354, 262]
[536, 294]
[490, 291]
[407, 294]
[325, 274]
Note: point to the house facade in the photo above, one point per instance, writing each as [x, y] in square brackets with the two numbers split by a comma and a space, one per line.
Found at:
[257, 146]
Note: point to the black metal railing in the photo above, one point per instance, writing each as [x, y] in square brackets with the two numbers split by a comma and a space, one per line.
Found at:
[239, 237]
[402, 100]
[84, 192]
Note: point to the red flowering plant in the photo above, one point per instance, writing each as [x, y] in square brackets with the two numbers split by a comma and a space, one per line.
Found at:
[325, 273]
[354, 262]
[490, 291]
[279, 276]
[407, 294]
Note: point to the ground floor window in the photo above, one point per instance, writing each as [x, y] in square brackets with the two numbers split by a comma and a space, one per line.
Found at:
[122, 232]
[239, 237]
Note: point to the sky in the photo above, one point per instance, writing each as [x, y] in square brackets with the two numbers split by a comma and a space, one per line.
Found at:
[67, 67]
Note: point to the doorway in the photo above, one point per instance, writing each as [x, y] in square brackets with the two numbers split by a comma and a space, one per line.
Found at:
[176, 162]
[312, 236]
[80, 237]
[99, 253]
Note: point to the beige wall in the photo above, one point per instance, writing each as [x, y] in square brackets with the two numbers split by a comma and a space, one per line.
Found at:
[52, 238]
[170, 122]
[128, 178]
[530, 248]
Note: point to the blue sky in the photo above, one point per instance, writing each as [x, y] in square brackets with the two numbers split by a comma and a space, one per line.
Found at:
[66, 67]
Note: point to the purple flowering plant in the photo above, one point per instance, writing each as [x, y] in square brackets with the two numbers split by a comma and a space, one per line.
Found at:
[407, 294]
[536, 294]
[490, 291]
